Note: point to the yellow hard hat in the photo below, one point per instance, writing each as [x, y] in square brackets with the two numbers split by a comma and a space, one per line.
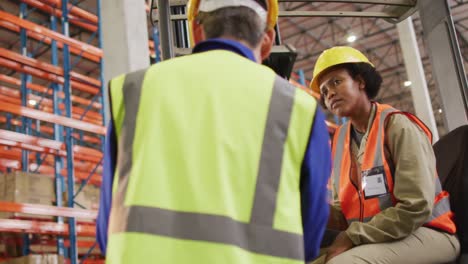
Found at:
[335, 56]
[272, 11]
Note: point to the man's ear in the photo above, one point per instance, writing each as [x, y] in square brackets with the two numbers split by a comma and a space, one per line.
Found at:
[198, 32]
[267, 42]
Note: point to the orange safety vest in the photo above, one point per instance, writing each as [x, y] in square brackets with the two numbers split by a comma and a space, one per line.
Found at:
[356, 204]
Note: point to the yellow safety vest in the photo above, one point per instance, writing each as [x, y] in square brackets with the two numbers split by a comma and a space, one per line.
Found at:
[210, 148]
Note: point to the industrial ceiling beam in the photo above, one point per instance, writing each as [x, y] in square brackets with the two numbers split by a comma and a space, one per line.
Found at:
[370, 50]
[381, 2]
[299, 13]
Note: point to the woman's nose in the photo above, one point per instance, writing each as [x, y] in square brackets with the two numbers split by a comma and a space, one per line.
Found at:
[331, 93]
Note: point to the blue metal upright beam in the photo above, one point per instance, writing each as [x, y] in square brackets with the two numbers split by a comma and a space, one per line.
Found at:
[58, 136]
[23, 89]
[68, 135]
[24, 102]
[103, 101]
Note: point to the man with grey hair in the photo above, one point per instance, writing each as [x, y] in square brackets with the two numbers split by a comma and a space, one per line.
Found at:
[211, 157]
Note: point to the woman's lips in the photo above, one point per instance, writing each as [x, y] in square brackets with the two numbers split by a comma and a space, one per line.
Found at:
[335, 102]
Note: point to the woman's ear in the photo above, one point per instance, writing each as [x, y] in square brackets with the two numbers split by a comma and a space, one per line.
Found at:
[361, 82]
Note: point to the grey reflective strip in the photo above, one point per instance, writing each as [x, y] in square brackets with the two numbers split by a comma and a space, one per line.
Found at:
[131, 98]
[385, 201]
[378, 160]
[271, 159]
[338, 157]
[442, 207]
[257, 236]
[216, 229]
[438, 186]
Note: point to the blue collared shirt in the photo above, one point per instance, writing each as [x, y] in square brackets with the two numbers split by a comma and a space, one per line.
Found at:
[315, 170]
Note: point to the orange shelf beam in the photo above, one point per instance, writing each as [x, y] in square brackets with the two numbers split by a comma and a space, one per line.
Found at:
[58, 12]
[46, 76]
[81, 172]
[74, 10]
[47, 117]
[50, 131]
[87, 48]
[13, 96]
[95, 119]
[39, 209]
[8, 163]
[42, 89]
[47, 40]
[46, 67]
[14, 139]
[37, 227]
[16, 153]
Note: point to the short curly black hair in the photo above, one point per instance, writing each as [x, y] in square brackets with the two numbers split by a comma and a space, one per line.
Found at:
[367, 72]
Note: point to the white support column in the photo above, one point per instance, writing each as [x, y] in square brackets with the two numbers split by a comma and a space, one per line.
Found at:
[447, 63]
[125, 37]
[415, 72]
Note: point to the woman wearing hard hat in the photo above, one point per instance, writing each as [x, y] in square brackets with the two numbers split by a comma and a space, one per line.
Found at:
[384, 181]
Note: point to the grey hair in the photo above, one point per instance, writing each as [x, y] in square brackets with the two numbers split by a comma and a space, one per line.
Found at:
[241, 23]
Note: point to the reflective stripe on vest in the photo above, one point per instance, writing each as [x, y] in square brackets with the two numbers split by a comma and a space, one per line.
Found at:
[374, 157]
[258, 235]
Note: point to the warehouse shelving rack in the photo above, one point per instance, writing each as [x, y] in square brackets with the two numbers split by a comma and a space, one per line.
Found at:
[62, 132]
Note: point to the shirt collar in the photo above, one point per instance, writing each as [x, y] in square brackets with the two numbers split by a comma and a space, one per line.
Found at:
[225, 44]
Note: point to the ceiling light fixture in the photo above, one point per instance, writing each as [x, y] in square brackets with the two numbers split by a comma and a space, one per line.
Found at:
[407, 83]
[351, 38]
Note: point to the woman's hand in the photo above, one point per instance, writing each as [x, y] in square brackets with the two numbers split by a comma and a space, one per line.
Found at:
[341, 244]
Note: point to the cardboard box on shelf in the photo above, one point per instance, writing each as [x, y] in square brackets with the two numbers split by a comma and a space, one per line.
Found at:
[87, 199]
[23, 187]
[38, 259]
[45, 249]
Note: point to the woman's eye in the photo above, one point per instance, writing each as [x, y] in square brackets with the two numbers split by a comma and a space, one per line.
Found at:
[324, 92]
[336, 82]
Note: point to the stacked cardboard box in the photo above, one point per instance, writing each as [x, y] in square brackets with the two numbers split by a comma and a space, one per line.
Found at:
[45, 249]
[37, 259]
[23, 187]
[88, 197]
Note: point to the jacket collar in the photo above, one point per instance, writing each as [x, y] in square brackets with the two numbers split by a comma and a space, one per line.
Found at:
[225, 44]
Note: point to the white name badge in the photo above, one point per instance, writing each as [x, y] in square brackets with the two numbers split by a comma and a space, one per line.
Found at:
[374, 183]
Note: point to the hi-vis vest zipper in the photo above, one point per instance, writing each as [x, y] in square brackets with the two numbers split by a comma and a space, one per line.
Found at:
[210, 148]
[376, 171]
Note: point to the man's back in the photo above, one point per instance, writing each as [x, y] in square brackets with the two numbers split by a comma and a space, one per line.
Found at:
[196, 126]
[211, 157]
[209, 154]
